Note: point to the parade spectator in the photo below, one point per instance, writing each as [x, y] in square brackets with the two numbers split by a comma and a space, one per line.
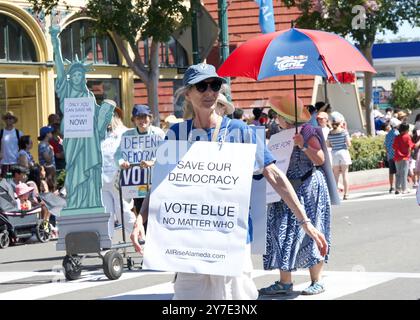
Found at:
[313, 112]
[389, 113]
[142, 118]
[257, 112]
[45, 151]
[201, 89]
[9, 143]
[322, 121]
[25, 158]
[403, 145]
[110, 174]
[340, 142]
[273, 126]
[22, 192]
[56, 142]
[288, 248]
[238, 114]
[389, 141]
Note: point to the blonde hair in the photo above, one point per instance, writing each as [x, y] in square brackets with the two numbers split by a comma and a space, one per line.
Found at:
[187, 107]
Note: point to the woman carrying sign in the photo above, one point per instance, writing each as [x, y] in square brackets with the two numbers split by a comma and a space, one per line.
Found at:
[142, 118]
[201, 89]
[287, 247]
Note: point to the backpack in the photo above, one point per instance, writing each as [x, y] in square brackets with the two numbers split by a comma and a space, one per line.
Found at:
[1, 136]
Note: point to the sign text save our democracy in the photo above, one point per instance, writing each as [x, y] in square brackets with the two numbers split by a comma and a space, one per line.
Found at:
[201, 172]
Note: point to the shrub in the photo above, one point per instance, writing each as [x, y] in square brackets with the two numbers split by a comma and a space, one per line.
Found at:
[367, 153]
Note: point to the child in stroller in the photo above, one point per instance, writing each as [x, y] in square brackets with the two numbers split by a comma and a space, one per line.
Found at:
[19, 219]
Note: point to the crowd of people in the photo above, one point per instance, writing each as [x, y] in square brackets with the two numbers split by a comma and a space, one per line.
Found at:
[298, 226]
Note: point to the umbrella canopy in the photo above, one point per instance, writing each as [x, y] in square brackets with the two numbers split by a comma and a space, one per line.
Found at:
[294, 51]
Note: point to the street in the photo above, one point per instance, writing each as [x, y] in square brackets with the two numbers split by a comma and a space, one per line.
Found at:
[374, 256]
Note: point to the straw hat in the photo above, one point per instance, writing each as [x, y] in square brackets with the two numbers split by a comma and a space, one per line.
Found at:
[223, 100]
[284, 106]
[23, 188]
[9, 114]
[172, 119]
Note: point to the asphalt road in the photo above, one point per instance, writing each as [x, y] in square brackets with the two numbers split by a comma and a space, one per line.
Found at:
[374, 255]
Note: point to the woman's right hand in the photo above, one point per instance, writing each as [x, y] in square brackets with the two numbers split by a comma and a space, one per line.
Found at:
[317, 236]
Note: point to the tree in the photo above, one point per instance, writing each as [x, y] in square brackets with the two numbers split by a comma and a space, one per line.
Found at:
[405, 94]
[360, 19]
[129, 22]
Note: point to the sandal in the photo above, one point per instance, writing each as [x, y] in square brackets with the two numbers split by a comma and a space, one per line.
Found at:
[314, 288]
[346, 197]
[276, 288]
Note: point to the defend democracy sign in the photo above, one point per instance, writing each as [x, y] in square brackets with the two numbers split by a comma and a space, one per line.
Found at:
[198, 212]
[134, 149]
[78, 117]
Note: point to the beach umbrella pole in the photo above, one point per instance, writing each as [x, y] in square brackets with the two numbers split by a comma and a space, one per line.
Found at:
[296, 116]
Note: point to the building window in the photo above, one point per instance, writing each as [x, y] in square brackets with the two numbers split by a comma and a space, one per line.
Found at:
[105, 89]
[15, 43]
[171, 54]
[78, 39]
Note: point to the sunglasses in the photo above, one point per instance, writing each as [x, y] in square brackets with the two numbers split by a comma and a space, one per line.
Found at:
[9, 118]
[202, 86]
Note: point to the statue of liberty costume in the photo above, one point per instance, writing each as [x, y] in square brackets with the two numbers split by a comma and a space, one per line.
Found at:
[83, 155]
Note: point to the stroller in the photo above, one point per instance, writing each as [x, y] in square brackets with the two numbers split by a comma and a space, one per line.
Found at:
[19, 224]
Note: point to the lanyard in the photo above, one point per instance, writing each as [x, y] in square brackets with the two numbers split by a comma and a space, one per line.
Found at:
[215, 132]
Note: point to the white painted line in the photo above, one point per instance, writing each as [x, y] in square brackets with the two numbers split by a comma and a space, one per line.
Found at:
[11, 276]
[60, 287]
[163, 291]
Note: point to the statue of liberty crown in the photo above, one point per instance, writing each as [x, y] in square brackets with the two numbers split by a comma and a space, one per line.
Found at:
[78, 65]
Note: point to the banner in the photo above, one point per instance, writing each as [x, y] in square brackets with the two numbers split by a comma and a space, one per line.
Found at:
[281, 146]
[78, 117]
[266, 17]
[199, 204]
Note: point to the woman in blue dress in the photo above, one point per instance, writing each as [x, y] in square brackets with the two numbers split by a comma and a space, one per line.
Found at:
[288, 248]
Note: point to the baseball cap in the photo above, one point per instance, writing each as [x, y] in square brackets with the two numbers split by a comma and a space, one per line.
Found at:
[44, 131]
[141, 109]
[200, 72]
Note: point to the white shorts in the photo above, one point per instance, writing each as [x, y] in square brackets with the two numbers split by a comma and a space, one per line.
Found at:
[195, 286]
[341, 157]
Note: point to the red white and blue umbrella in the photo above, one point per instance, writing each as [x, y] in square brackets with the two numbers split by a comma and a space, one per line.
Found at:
[293, 52]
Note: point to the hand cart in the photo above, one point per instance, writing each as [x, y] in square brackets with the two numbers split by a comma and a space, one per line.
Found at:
[89, 242]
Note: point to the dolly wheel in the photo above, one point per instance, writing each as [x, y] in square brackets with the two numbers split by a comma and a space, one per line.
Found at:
[113, 265]
[4, 239]
[72, 267]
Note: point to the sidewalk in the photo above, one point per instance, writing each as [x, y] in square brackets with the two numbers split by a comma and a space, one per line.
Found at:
[368, 178]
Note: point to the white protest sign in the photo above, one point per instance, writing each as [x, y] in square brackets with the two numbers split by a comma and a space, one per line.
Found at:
[199, 204]
[78, 117]
[281, 146]
[134, 149]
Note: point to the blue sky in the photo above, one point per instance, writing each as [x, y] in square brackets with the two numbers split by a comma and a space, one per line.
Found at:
[405, 31]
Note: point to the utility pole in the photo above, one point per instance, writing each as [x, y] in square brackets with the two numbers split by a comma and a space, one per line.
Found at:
[224, 36]
[194, 32]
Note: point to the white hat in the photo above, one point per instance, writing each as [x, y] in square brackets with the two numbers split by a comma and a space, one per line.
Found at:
[223, 100]
[394, 122]
[337, 117]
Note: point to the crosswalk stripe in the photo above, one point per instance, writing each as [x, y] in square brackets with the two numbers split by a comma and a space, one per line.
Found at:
[87, 280]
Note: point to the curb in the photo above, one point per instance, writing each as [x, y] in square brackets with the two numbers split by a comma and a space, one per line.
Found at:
[368, 185]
